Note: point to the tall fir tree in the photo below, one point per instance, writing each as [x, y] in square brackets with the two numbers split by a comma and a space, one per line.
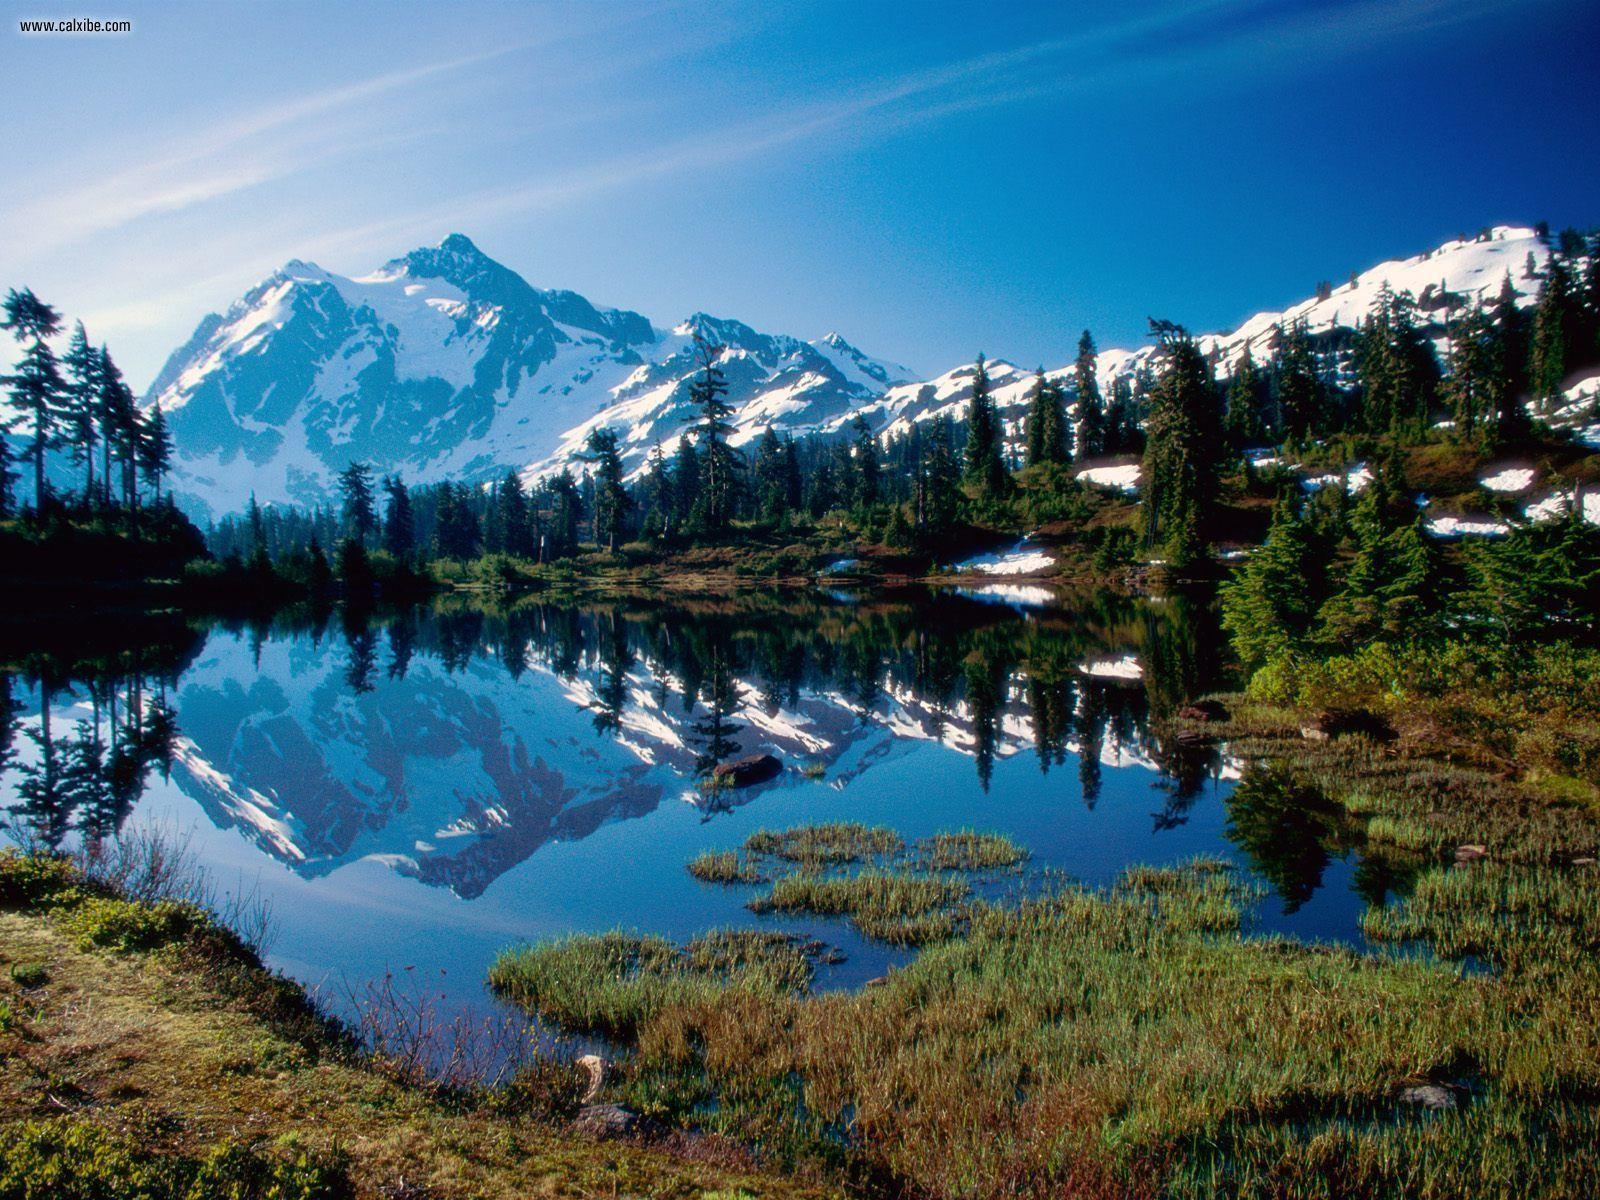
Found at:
[37, 389]
[1183, 452]
[360, 511]
[1300, 395]
[865, 469]
[612, 504]
[1508, 381]
[399, 519]
[1243, 423]
[719, 463]
[1090, 438]
[1046, 432]
[81, 364]
[1553, 322]
[984, 470]
[155, 448]
[1270, 605]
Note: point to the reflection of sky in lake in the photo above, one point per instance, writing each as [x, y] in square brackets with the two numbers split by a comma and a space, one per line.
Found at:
[538, 779]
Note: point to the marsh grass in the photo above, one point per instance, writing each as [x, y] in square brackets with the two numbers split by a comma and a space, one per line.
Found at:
[890, 906]
[1129, 1041]
[831, 843]
[611, 984]
[969, 850]
[724, 866]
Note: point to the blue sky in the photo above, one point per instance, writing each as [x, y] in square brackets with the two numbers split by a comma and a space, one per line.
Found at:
[928, 179]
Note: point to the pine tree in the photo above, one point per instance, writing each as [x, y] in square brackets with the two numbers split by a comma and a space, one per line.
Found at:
[456, 531]
[1552, 324]
[1387, 592]
[513, 516]
[1183, 452]
[658, 500]
[1046, 423]
[399, 521]
[155, 448]
[260, 557]
[984, 470]
[1243, 422]
[1507, 381]
[864, 466]
[1396, 366]
[719, 463]
[611, 500]
[566, 512]
[1301, 396]
[1269, 606]
[360, 512]
[1470, 387]
[771, 484]
[1091, 423]
[117, 415]
[940, 478]
[36, 386]
[82, 365]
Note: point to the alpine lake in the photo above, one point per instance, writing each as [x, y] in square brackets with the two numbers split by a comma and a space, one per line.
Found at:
[409, 793]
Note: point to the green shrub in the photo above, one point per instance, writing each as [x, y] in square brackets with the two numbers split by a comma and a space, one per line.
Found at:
[37, 880]
[127, 925]
[68, 1159]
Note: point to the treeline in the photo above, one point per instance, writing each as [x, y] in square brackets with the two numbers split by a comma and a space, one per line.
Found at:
[78, 405]
[1377, 387]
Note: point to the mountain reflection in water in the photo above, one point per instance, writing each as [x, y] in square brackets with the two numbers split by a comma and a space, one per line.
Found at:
[450, 745]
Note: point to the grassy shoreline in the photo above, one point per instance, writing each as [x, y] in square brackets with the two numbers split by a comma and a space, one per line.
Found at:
[1139, 1041]
[145, 1053]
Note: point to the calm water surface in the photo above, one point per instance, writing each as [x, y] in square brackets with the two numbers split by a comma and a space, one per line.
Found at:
[414, 793]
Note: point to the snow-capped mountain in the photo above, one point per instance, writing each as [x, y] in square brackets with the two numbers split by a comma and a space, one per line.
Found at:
[445, 364]
[1445, 280]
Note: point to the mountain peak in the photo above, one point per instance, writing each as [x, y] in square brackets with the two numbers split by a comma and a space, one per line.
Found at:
[460, 244]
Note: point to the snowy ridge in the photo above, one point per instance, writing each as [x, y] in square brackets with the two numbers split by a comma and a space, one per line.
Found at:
[445, 364]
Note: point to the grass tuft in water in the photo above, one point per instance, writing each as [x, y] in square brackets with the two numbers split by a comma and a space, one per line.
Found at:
[834, 842]
[724, 866]
[969, 850]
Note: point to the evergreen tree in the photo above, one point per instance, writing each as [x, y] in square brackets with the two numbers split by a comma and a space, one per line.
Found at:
[611, 500]
[399, 521]
[1269, 606]
[1553, 321]
[771, 482]
[260, 556]
[360, 511]
[1046, 427]
[1387, 592]
[658, 500]
[939, 479]
[514, 517]
[1507, 379]
[1300, 394]
[1396, 367]
[719, 463]
[154, 448]
[456, 531]
[1243, 423]
[685, 481]
[1182, 453]
[82, 365]
[1471, 385]
[1091, 422]
[984, 470]
[864, 467]
[36, 386]
[566, 510]
[117, 415]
